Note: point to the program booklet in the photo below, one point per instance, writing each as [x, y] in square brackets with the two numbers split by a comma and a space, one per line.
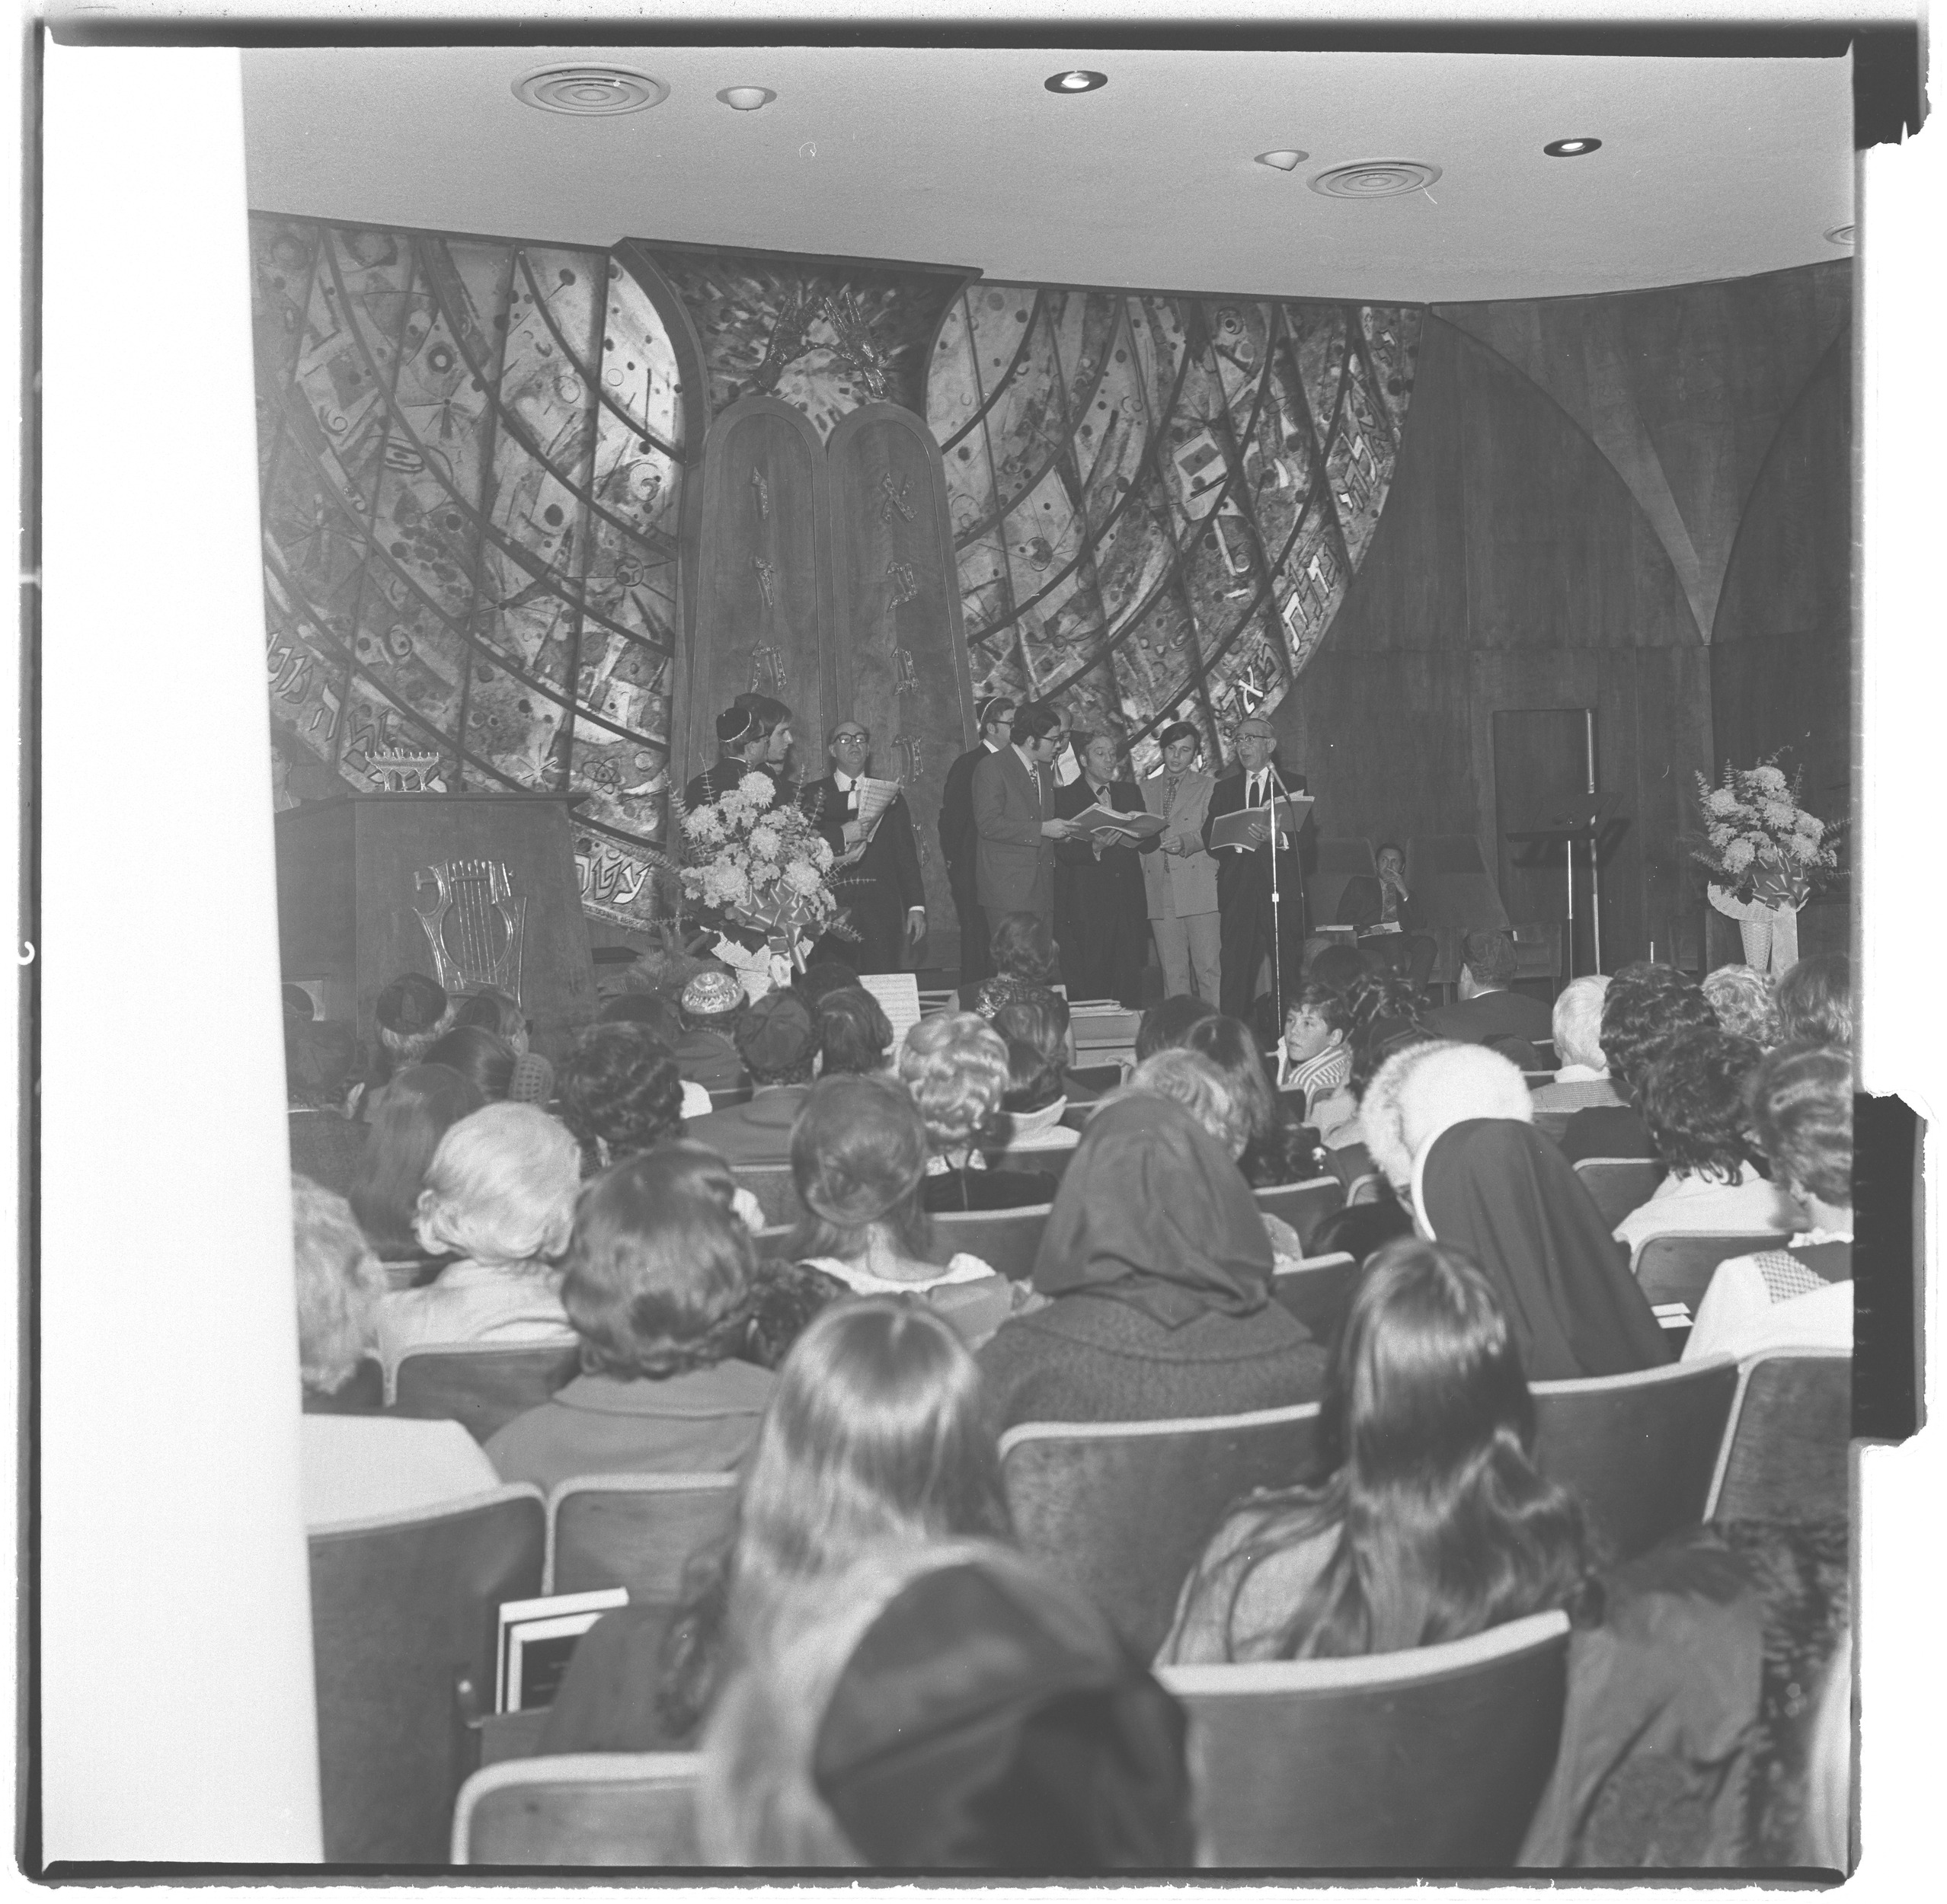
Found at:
[1234, 829]
[1098, 819]
[537, 1638]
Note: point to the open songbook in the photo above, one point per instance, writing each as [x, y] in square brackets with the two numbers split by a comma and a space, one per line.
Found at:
[1097, 820]
[1234, 829]
[874, 796]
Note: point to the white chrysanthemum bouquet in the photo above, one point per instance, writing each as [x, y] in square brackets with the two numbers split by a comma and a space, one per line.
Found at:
[758, 867]
[1762, 846]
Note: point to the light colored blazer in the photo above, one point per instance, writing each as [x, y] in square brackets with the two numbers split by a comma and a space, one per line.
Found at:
[1013, 861]
[1181, 884]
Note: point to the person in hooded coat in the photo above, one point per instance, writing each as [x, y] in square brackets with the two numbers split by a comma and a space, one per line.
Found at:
[1159, 1269]
[1503, 1192]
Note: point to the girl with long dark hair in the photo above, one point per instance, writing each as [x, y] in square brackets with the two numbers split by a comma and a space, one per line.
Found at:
[1432, 1522]
[408, 1117]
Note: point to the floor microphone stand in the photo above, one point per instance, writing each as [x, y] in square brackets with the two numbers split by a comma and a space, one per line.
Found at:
[1276, 788]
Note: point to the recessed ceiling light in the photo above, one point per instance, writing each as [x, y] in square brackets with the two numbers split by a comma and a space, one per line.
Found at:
[1572, 147]
[1078, 81]
[1283, 161]
[1375, 178]
[590, 91]
[746, 99]
[1840, 234]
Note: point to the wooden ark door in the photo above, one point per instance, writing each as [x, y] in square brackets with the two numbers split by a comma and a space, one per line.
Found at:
[899, 650]
[763, 577]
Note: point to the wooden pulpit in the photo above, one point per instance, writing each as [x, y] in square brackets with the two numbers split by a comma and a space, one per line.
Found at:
[368, 883]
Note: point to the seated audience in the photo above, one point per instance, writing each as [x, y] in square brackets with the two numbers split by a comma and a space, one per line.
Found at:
[954, 1067]
[1744, 1003]
[1040, 1017]
[499, 1195]
[1801, 1102]
[354, 1466]
[1487, 1012]
[1315, 1056]
[944, 1706]
[1430, 1522]
[320, 1056]
[1035, 1103]
[777, 1043]
[1693, 1101]
[621, 1093]
[1168, 1023]
[854, 1035]
[858, 1158]
[706, 1054]
[1385, 1016]
[413, 1013]
[486, 1062]
[657, 1284]
[821, 977]
[1377, 1127]
[659, 1014]
[489, 1010]
[1277, 1149]
[1815, 1002]
[1338, 965]
[408, 1118]
[1024, 959]
[1581, 1079]
[1358, 1229]
[1500, 1191]
[874, 1433]
[1159, 1267]
[1452, 1083]
[1645, 1008]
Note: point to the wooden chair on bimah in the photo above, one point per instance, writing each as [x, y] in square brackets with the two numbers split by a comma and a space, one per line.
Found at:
[1640, 1450]
[1437, 1756]
[602, 1808]
[404, 1616]
[1340, 861]
[482, 1386]
[1455, 894]
[1122, 1510]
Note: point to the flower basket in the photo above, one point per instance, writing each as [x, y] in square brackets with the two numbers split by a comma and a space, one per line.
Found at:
[1766, 856]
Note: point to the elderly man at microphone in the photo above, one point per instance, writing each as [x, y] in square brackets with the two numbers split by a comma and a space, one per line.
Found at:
[1255, 928]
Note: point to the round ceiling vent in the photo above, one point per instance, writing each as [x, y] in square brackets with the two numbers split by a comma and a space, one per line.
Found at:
[1375, 178]
[590, 91]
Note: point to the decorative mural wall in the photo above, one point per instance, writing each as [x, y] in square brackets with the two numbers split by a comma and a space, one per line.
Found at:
[1158, 502]
[479, 529]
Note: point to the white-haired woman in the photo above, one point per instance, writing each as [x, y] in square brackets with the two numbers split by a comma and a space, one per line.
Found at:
[1582, 1078]
[499, 1195]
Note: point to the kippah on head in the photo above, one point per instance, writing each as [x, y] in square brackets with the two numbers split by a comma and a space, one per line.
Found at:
[710, 994]
[987, 711]
[412, 1003]
[776, 1033]
[737, 724]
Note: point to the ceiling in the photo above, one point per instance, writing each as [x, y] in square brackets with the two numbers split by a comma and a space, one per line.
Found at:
[1709, 168]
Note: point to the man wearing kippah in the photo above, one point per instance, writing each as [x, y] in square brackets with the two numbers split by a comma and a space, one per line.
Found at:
[775, 719]
[745, 742]
[959, 840]
[777, 1039]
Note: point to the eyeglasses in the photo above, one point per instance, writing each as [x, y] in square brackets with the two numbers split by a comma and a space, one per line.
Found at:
[850, 740]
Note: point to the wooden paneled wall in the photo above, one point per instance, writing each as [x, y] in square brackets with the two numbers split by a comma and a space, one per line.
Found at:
[1518, 566]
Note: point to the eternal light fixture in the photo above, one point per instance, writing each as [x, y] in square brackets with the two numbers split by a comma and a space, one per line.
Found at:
[746, 99]
[590, 91]
[1077, 81]
[1572, 147]
[1375, 178]
[1283, 161]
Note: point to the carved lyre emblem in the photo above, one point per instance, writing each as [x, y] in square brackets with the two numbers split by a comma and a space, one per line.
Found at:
[474, 924]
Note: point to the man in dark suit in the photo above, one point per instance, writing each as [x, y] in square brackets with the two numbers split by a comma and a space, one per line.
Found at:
[960, 842]
[1488, 1013]
[1389, 922]
[1244, 874]
[777, 1038]
[1014, 819]
[882, 884]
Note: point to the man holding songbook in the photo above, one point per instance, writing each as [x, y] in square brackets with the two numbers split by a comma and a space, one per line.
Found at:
[868, 825]
[1101, 914]
[1239, 833]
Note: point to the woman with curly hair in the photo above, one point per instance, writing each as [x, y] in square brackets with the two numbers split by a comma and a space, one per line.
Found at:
[1432, 1522]
[954, 1067]
[1276, 1149]
[621, 1093]
[656, 1283]
[1693, 1100]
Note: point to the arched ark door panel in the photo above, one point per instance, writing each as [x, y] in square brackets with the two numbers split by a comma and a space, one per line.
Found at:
[900, 655]
[763, 576]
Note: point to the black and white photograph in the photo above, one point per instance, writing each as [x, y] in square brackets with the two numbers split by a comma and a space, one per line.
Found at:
[991, 949]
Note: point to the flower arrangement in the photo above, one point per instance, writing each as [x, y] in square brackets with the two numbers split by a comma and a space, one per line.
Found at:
[1762, 847]
[760, 869]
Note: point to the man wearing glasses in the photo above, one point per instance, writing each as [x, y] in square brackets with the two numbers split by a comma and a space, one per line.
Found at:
[1014, 817]
[959, 840]
[1244, 873]
[883, 885]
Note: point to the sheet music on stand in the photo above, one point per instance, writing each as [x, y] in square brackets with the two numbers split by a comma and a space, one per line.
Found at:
[898, 995]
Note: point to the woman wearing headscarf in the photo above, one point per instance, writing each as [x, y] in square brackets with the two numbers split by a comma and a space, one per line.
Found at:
[1158, 1269]
[1501, 1191]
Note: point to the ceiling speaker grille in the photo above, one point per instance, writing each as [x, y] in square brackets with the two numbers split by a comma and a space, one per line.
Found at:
[590, 91]
[1375, 178]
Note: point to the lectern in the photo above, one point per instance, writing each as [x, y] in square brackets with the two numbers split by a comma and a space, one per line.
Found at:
[470, 888]
[1583, 816]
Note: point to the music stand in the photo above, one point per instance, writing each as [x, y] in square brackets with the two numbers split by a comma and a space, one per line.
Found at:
[1582, 816]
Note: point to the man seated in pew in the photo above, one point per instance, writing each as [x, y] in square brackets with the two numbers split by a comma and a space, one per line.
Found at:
[1800, 1297]
[1388, 922]
[1487, 1012]
[777, 1043]
[1582, 1080]
[712, 1002]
